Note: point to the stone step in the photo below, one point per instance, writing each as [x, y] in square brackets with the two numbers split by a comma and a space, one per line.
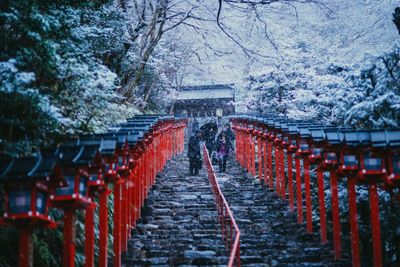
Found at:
[180, 224]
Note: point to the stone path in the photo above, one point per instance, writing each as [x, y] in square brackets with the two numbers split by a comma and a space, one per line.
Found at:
[179, 224]
[271, 235]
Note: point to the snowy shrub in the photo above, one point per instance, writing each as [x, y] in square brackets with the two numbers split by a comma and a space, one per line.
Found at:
[59, 70]
[379, 102]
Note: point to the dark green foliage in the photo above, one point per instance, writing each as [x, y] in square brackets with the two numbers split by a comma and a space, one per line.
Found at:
[54, 59]
[396, 18]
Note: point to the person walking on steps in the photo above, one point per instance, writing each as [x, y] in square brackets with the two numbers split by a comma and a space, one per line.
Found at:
[223, 147]
[194, 153]
[210, 130]
[230, 135]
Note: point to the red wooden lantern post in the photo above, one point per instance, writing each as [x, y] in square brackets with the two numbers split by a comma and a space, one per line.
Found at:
[235, 128]
[27, 183]
[241, 147]
[285, 147]
[292, 149]
[329, 162]
[272, 138]
[108, 151]
[253, 149]
[258, 135]
[317, 144]
[91, 161]
[245, 156]
[240, 144]
[280, 164]
[74, 196]
[348, 167]
[303, 152]
[123, 172]
[373, 170]
[264, 148]
[271, 178]
[392, 179]
[247, 147]
[135, 177]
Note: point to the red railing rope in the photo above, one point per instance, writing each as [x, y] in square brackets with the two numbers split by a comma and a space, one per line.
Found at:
[227, 221]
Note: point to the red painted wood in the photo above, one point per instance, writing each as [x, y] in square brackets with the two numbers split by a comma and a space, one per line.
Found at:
[290, 181]
[335, 217]
[376, 229]
[89, 236]
[321, 196]
[69, 238]
[124, 217]
[259, 150]
[283, 182]
[103, 229]
[253, 156]
[298, 191]
[277, 172]
[355, 245]
[117, 225]
[25, 241]
[271, 178]
[307, 194]
[146, 173]
[265, 162]
[248, 155]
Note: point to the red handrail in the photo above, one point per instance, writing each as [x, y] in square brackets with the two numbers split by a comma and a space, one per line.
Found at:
[224, 214]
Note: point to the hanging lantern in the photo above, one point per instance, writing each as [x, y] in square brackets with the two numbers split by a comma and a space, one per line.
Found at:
[317, 144]
[93, 163]
[75, 194]
[393, 158]
[303, 141]
[349, 156]
[27, 183]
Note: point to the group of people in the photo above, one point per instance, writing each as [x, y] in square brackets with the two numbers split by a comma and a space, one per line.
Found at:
[219, 147]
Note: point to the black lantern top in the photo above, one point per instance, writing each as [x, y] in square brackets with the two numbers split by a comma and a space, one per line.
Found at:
[32, 169]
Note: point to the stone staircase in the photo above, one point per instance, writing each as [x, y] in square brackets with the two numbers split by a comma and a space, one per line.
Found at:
[179, 224]
[271, 235]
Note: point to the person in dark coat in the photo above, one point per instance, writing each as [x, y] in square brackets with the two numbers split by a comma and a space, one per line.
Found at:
[210, 131]
[194, 153]
[230, 134]
[223, 147]
[195, 126]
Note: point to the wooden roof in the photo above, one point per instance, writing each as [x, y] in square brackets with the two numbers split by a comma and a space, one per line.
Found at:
[217, 91]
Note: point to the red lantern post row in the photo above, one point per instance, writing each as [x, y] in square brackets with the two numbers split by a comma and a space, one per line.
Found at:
[128, 157]
[368, 157]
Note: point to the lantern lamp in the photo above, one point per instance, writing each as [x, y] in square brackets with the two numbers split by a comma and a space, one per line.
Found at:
[333, 139]
[285, 141]
[292, 130]
[278, 138]
[303, 141]
[392, 178]
[91, 161]
[27, 182]
[317, 140]
[133, 152]
[372, 161]
[349, 156]
[75, 194]
[122, 153]
[107, 151]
